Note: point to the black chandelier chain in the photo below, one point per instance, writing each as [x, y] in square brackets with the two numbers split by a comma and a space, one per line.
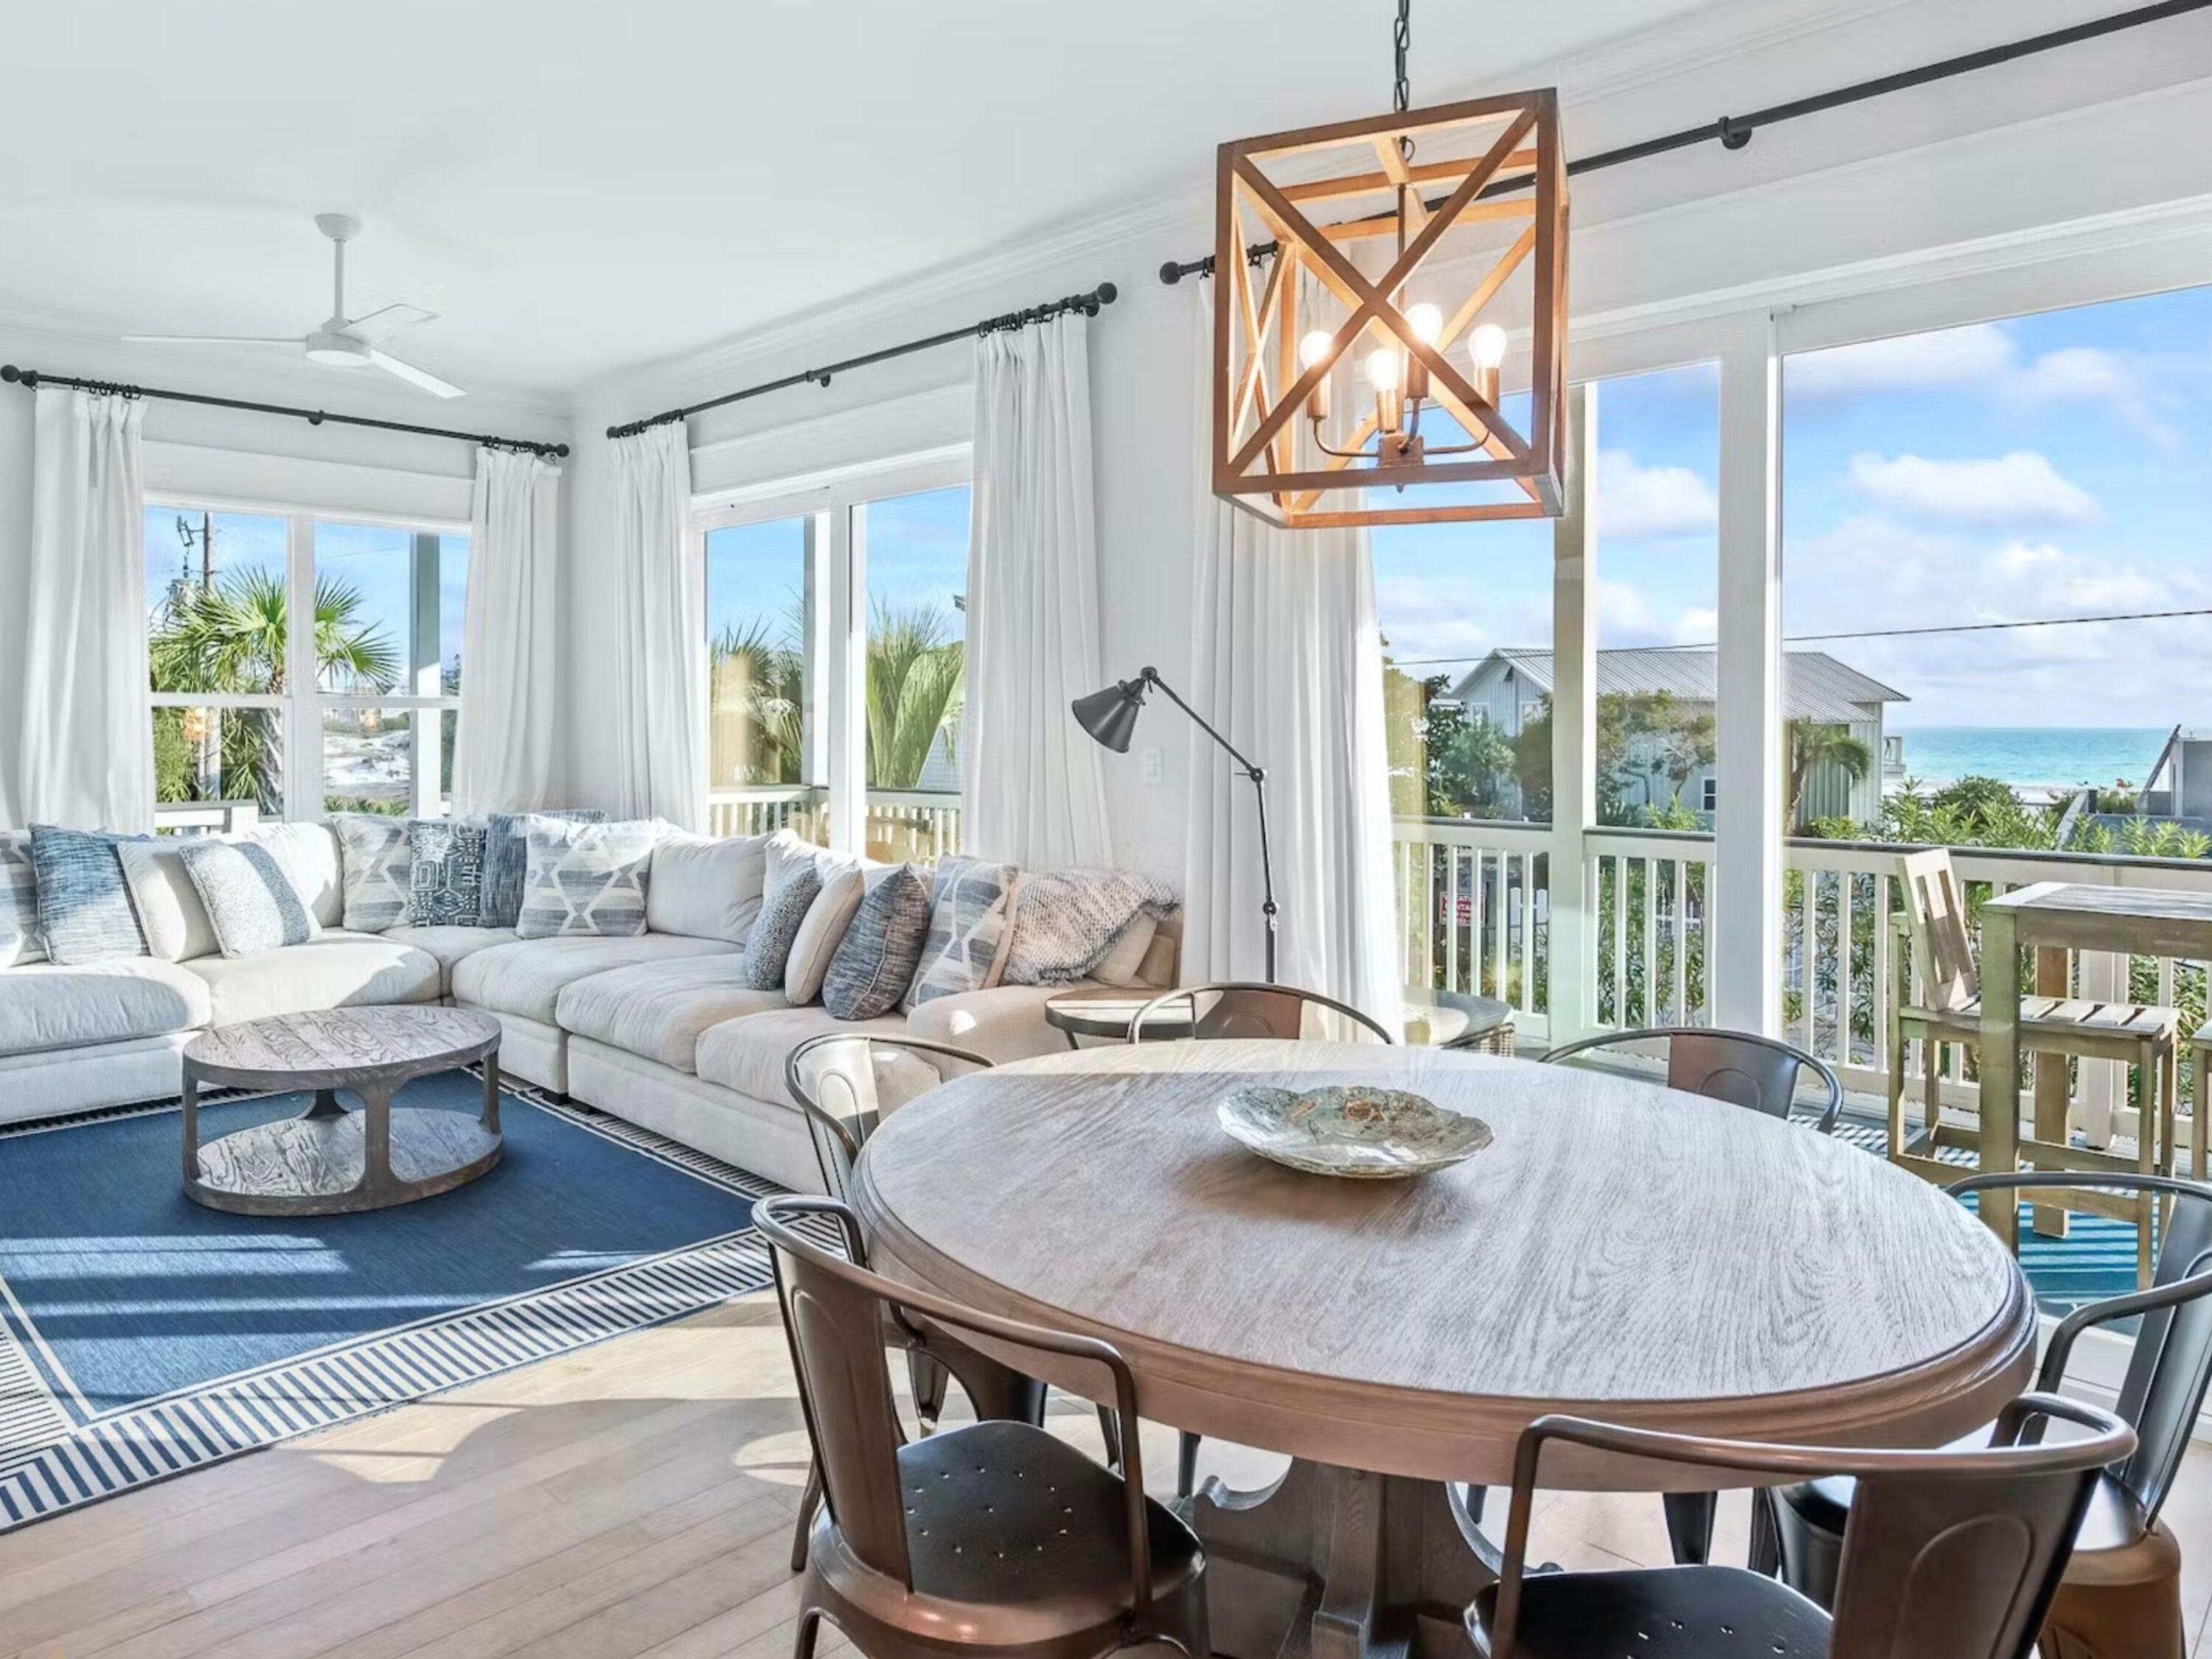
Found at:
[1402, 91]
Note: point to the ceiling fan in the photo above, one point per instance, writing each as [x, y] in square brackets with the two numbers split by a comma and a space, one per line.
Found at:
[341, 341]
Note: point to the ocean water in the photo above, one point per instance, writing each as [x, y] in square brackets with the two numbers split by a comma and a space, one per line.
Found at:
[2031, 755]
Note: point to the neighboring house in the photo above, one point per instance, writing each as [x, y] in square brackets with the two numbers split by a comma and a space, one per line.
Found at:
[1507, 686]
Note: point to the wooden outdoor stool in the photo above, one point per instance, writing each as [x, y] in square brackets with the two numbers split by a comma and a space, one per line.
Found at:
[1935, 998]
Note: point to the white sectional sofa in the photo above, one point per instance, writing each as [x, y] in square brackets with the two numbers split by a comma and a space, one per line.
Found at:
[654, 1029]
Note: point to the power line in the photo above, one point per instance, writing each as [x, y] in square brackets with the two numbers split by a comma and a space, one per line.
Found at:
[1878, 633]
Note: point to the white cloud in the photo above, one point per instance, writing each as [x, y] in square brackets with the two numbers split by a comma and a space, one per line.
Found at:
[1697, 626]
[1635, 500]
[2085, 374]
[2021, 487]
[1951, 357]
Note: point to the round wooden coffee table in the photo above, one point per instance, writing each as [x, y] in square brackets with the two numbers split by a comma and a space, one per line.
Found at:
[330, 1161]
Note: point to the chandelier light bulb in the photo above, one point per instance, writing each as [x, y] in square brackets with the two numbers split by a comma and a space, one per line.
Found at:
[1486, 345]
[1426, 322]
[1383, 368]
[1313, 347]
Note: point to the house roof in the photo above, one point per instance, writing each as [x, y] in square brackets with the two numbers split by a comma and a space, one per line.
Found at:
[1814, 685]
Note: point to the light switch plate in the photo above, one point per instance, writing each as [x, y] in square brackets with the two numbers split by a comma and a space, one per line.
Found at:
[1153, 771]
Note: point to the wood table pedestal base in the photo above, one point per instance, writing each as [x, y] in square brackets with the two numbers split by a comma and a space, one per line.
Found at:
[1339, 1564]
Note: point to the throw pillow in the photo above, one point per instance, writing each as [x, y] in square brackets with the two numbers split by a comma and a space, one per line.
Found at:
[586, 878]
[170, 913]
[968, 936]
[706, 886]
[767, 945]
[1068, 920]
[876, 959]
[376, 876]
[843, 885]
[84, 905]
[445, 873]
[20, 939]
[507, 858]
[251, 902]
[1124, 961]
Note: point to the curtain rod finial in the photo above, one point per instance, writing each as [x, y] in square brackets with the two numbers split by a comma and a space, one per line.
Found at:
[1171, 272]
[1108, 294]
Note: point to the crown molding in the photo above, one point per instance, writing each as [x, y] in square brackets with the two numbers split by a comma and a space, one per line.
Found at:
[267, 380]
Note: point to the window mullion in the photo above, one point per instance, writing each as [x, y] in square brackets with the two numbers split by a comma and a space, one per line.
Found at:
[302, 718]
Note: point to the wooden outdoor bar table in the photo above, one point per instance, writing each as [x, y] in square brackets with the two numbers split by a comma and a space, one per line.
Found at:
[1621, 1251]
[2056, 917]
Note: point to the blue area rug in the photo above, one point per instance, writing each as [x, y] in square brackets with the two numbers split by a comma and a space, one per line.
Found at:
[142, 1335]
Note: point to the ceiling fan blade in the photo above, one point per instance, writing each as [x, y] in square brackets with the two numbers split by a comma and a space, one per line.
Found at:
[384, 324]
[413, 376]
[212, 339]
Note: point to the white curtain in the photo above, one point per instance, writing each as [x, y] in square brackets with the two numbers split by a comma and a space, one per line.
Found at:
[78, 743]
[1032, 788]
[660, 632]
[1287, 661]
[510, 653]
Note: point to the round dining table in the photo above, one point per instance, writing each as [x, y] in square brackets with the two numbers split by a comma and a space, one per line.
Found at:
[1619, 1250]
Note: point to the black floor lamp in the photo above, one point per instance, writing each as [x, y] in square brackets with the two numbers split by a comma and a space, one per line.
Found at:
[1110, 716]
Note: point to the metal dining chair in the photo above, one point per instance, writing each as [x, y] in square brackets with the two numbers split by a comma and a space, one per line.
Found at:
[990, 1538]
[1953, 1554]
[1239, 1008]
[834, 1079]
[2122, 1590]
[1745, 1069]
[1228, 1009]
[1741, 1068]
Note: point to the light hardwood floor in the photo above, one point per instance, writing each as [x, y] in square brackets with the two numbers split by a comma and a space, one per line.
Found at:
[636, 1500]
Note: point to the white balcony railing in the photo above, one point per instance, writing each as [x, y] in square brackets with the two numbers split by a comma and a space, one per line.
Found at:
[1475, 910]
[903, 824]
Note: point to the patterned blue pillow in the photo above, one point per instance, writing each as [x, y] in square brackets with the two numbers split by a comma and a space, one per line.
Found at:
[507, 858]
[84, 903]
[250, 902]
[877, 958]
[775, 929]
[445, 873]
[376, 849]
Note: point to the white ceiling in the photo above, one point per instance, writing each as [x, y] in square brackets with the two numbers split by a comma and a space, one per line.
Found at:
[580, 186]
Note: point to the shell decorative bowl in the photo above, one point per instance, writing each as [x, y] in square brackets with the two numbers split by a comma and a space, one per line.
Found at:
[1368, 1134]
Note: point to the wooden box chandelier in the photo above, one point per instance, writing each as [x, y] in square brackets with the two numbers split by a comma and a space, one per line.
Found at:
[1285, 319]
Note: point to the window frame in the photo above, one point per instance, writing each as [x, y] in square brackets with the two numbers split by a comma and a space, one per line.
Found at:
[300, 708]
[835, 505]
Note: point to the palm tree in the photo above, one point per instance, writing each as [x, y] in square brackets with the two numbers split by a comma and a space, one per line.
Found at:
[1816, 744]
[915, 678]
[232, 638]
[756, 694]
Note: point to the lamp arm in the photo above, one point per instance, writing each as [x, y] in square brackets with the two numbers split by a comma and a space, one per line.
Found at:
[1258, 776]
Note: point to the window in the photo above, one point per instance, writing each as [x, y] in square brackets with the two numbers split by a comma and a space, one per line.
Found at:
[355, 713]
[1709, 796]
[837, 628]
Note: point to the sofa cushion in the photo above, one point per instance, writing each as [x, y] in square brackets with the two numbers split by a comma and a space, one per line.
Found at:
[335, 969]
[527, 978]
[249, 899]
[450, 944]
[656, 1009]
[84, 906]
[48, 1005]
[706, 886]
[376, 871]
[170, 913]
[507, 858]
[20, 939]
[747, 1055]
[445, 873]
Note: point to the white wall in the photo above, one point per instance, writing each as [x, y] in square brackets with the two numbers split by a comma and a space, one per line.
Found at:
[1857, 201]
[232, 455]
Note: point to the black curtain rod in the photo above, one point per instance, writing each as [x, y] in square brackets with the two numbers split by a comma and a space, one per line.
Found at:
[34, 378]
[1088, 304]
[1733, 131]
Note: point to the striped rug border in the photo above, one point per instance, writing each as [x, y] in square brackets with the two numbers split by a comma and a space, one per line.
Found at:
[50, 1465]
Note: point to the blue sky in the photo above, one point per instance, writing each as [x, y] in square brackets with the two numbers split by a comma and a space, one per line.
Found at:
[917, 557]
[374, 559]
[2046, 466]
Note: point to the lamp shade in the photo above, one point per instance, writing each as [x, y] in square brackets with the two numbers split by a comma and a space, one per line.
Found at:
[1110, 715]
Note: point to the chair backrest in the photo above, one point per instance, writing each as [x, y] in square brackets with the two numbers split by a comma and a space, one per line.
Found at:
[1741, 1067]
[834, 1315]
[1948, 1554]
[843, 1082]
[2172, 1361]
[1237, 1008]
[1943, 949]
